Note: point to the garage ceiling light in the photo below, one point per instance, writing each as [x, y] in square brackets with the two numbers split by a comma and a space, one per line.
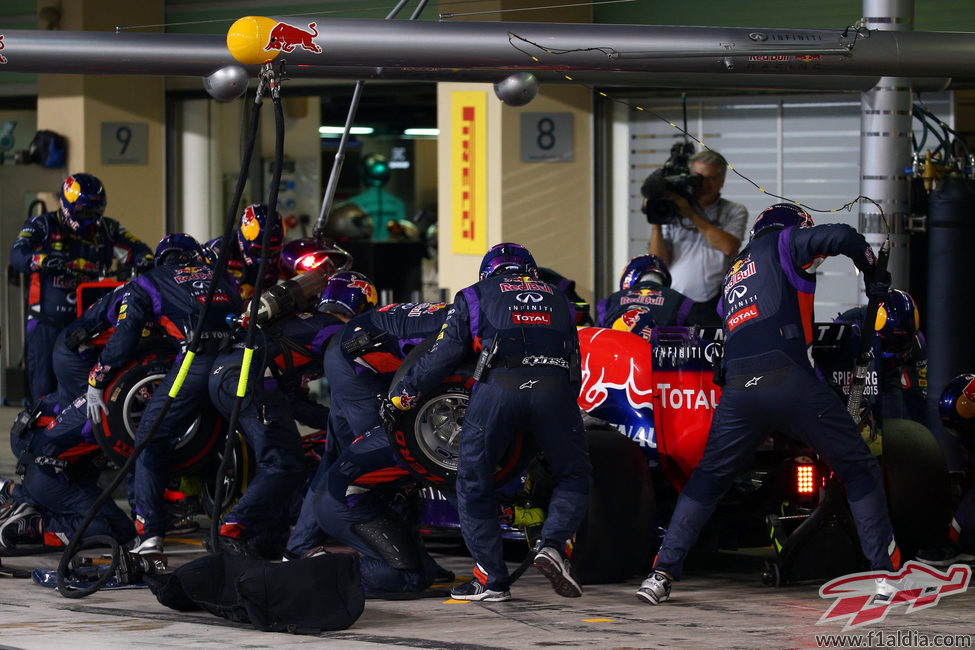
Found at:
[422, 132]
[338, 130]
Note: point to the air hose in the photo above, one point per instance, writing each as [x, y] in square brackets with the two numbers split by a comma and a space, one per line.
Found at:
[75, 544]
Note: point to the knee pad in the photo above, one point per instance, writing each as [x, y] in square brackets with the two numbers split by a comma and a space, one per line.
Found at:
[391, 539]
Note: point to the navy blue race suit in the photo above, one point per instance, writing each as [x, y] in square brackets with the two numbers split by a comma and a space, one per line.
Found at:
[664, 305]
[771, 386]
[286, 357]
[169, 297]
[532, 386]
[61, 463]
[372, 506]
[77, 346]
[51, 296]
[356, 378]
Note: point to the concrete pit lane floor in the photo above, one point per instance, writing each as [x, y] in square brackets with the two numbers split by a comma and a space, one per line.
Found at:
[719, 604]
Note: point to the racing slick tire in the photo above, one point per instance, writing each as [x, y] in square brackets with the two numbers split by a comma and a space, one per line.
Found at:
[126, 397]
[240, 471]
[616, 537]
[917, 486]
[426, 439]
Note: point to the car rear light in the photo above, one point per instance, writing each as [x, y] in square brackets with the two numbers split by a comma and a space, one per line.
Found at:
[805, 479]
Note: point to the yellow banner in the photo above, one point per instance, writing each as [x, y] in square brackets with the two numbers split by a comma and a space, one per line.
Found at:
[468, 164]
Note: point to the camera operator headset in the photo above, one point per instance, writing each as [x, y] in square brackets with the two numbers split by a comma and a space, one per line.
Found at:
[692, 229]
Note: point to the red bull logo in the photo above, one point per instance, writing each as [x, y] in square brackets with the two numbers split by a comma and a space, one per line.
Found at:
[250, 227]
[631, 318]
[285, 38]
[917, 586]
[71, 189]
[969, 391]
[3, 59]
[614, 360]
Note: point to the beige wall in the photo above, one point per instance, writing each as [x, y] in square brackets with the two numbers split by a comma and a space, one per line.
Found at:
[77, 105]
[545, 206]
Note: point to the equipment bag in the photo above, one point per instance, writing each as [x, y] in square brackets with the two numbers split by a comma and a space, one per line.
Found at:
[305, 596]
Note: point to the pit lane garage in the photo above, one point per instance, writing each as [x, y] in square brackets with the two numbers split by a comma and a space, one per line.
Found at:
[642, 485]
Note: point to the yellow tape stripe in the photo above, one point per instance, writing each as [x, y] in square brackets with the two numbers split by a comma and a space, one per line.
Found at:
[245, 371]
[183, 369]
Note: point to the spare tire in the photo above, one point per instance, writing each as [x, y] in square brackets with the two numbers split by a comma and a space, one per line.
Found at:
[917, 487]
[426, 439]
[126, 397]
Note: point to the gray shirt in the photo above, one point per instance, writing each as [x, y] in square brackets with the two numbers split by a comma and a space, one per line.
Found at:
[697, 267]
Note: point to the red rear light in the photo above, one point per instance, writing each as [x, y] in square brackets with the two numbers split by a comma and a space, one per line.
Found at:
[805, 479]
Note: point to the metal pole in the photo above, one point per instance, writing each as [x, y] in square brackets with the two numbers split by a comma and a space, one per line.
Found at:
[885, 146]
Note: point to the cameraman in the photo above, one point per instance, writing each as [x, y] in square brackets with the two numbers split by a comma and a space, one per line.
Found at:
[698, 247]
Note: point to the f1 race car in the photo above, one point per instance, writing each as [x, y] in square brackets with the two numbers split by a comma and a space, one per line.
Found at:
[649, 405]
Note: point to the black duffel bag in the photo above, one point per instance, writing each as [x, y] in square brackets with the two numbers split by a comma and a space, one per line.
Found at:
[306, 596]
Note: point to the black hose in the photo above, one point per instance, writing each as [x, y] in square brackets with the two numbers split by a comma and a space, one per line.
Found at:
[74, 544]
[272, 215]
[80, 592]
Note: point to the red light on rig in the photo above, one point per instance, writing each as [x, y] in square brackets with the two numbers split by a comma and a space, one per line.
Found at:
[805, 479]
[313, 261]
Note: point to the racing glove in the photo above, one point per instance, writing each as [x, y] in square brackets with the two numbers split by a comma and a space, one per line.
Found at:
[879, 288]
[143, 264]
[390, 410]
[54, 264]
[96, 404]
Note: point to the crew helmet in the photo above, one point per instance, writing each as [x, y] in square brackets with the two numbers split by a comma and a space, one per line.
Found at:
[507, 257]
[179, 248]
[780, 215]
[349, 293]
[82, 201]
[898, 320]
[250, 234]
[642, 268]
[957, 409]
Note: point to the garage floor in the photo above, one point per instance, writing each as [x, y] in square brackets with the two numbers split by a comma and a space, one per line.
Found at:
[721, 605]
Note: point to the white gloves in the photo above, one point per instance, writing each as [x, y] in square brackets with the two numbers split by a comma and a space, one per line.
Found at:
[96, 404]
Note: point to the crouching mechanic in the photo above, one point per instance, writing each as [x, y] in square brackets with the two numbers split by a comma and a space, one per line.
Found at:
[770, 385]
[645, 300]
[527, 380]
[292, 350]
[60, 464]
[900, 357]
[170, 295]
[359, 364]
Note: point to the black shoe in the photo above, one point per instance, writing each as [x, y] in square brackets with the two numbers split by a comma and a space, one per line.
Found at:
[183, 526]
[474, 590]
[22, 526]
[552, 564]
[7, 503]
[442, 575]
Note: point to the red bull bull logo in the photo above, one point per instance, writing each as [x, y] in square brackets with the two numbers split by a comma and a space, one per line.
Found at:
[917, 586]
[286, 38]
[614, 360]
[969, 391]
[3, 59]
